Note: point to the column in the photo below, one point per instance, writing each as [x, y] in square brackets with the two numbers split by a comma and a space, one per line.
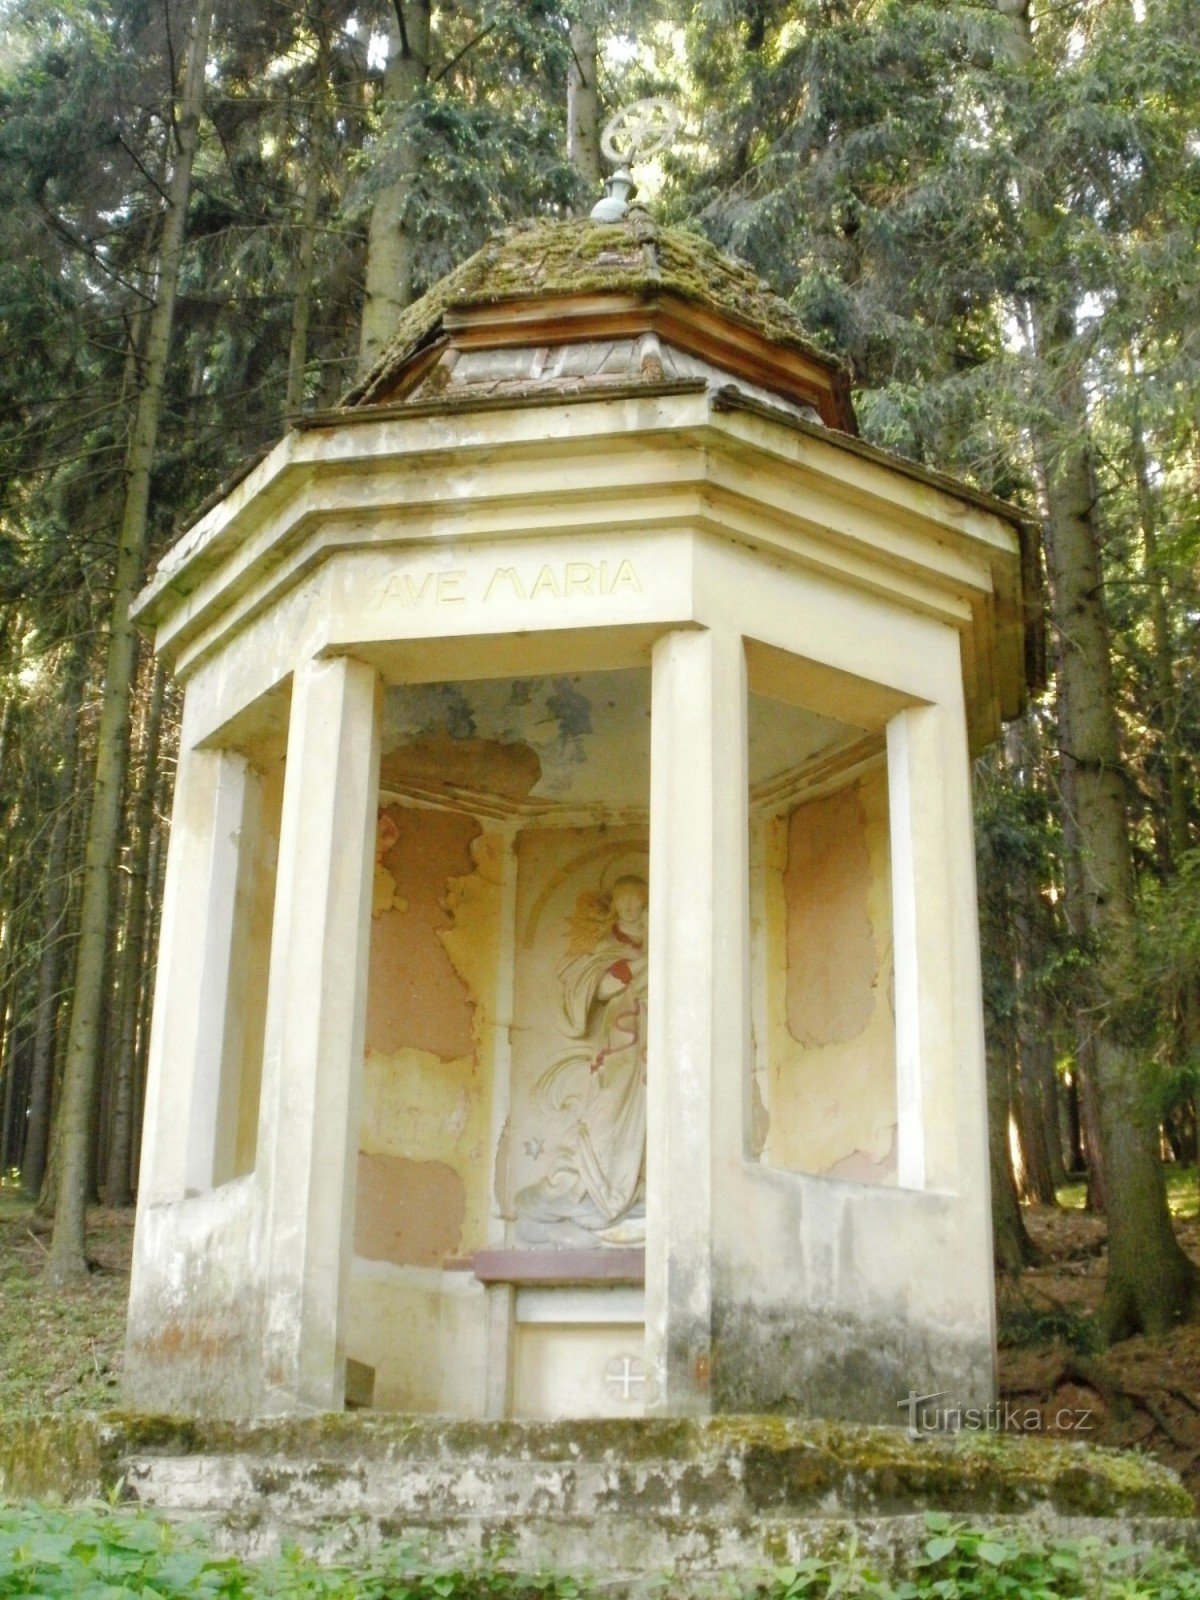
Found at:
[316, 1011]
[193, 983]
[699, 1024]
[933, 879]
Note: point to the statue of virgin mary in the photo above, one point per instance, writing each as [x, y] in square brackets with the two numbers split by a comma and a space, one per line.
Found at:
[594, 1191]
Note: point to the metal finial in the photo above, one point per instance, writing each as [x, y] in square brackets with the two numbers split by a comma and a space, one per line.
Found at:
[632, 134]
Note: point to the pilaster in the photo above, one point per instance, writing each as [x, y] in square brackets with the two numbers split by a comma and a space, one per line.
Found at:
[699, 1029]
[316, 1009]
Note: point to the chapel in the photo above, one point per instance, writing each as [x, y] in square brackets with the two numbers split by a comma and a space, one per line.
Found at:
[568, 998]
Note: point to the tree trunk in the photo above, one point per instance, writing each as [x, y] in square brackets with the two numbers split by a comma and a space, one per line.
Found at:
[67, 1258]
[80, 822]
[16, 1096]
[1073, 910]
[389, 279]
[8, 1048]
[1038, 1112]
[583, 110]
[12, 938]
[1031, 1125]
[117, 1190]
[51, 967]
[302, 303]
[6, 711]
[1165, 713]
[1013, 1247]
[1151, 1283]
[154, 895]
[1051, 1095]
[1073, 1126]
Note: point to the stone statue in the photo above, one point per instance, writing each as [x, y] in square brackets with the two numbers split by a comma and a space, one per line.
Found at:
[594, 1097]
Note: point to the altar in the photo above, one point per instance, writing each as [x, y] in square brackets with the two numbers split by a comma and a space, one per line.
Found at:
[568, 996]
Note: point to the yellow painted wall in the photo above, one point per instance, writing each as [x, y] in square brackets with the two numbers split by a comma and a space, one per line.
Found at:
[425, 1160]
[823, 943]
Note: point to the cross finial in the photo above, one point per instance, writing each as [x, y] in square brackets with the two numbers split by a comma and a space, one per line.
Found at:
[632, 134]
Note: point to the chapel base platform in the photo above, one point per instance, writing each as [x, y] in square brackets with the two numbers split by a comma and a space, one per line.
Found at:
[619, 1501]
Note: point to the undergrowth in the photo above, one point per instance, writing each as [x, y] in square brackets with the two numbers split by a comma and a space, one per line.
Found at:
[99, 1553]
[1029, 1327]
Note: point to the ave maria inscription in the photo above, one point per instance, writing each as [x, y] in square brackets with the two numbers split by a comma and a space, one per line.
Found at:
[562, 580]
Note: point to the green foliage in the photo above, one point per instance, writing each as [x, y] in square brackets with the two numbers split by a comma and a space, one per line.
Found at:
[1032, 1327]
[106, 1553]
[961, 1563]
[102, 1553]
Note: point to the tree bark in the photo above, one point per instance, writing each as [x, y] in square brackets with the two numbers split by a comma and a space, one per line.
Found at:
[51, 966]
[390, 271]
[67, 1258]
[1013, 1247]
[117, 1189]
[1051, 1095]
[154, 897]
[1165, 713]
[13, 932]
[8, 1048]
[583, 110]
[1151, 1283]
[1038, 1110]
[1091, 1144]
[1073, 1130]
[302, 303]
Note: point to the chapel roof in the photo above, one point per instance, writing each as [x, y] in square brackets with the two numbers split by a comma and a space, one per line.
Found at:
[618, 278]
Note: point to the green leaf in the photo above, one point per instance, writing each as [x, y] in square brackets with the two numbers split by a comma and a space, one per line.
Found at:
[994, 1554]
[938, 1549]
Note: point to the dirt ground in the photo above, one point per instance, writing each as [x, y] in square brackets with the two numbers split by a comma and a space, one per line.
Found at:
[1140, 1394]
[63, 1351]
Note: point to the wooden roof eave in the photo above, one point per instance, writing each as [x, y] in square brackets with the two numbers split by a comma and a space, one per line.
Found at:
[801, 375]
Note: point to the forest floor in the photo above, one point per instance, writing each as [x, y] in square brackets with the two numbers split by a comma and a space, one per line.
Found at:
[1142, 1393]
[62, 1351]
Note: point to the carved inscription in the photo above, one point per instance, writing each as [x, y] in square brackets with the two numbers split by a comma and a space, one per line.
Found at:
[561, 580]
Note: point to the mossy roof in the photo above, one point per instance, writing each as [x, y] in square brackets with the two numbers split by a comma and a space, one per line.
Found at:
[633, 256]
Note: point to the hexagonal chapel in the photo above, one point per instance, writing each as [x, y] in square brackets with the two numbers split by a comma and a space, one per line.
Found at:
[568, 997]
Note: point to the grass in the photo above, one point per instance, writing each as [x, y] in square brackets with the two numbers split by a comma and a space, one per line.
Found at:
[1183, 1192]
[61, 1347]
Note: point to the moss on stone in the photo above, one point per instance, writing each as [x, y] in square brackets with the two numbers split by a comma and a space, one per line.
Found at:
[633, 256]
[772, 1466]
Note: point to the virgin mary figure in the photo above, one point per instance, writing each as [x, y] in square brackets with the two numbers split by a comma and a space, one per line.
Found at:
[594, 1191]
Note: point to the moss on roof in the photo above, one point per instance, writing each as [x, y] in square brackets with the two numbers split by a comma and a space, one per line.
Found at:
[633, 256]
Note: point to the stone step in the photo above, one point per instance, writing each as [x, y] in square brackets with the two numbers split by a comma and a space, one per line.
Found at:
[614, 1500]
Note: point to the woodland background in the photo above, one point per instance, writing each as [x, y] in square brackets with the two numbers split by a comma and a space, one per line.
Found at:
[987, 208]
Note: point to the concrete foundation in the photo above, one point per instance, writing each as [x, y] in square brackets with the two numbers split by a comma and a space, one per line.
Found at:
[624, 1503]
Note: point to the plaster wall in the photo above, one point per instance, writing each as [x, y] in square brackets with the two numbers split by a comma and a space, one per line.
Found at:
[824, 941]
[578, 1370]
[194, 1337]
[242, 1059]
[423, 1188]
